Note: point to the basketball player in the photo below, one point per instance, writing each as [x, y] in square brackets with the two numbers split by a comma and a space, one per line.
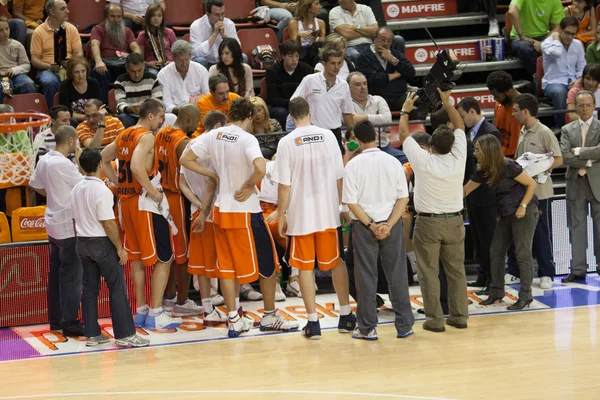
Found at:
[309, 161]
[147, 238]
[245, 248]
[170, 143]
[200, 191]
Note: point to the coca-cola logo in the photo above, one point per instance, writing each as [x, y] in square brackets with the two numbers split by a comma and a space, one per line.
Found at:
[32, 223]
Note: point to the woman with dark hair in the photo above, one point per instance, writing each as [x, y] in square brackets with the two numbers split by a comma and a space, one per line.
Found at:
[518, 212]
[231, 64]
[585, 13]
[78, 88]
[155, 40]
[590, 79]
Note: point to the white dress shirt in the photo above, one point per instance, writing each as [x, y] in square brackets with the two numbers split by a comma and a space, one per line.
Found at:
[176, 90]
[57, 175]
[438, 178]
[588, 124]
[375, 181]
[363, 16]
[378, 112]
[137, 7]
[562, 66]
[200, 32]
[92, 202]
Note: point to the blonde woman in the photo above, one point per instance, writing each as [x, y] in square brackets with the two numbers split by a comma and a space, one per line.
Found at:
[307, 29]
[336, 41]
[262, 122]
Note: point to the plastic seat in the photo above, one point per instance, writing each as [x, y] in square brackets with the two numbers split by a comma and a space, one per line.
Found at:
[539, 74]
[28, 224]
[4, 229]
[250, 38]
[84, 14]
[181, 13]
[27, 102]
[239, 11]
[56, 99]
[263, 89]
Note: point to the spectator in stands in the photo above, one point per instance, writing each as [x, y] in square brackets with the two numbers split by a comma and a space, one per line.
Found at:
[579, 142]
[47, 60]
[518, 212]
[182, 81]
[328, 95]
[589, 81]
[564, 60]
[219, 98]
[283, 78]
[155, 40]
[538, 139]
[134, 11]
[481, 205]
[375, 109]
[207, 33]
[110, 43]
[18, 29]
[30, 11]
[262, 121]
[99, 128]
[530, 20]
[386, 69]
[593, 50]
[281, 11]
[308, 30]
[14, 64]
[132, 88]
[357, 24]
[489, 6]
[54, 177]
[231, 64]
[46, 139]
[501, 87]
[79, 87]
[335, 41]
[585, 13]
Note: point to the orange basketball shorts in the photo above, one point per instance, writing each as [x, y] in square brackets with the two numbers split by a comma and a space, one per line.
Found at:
[203, 253]
[245, 247]
[179, 210]
[147, 236]
[322, 247]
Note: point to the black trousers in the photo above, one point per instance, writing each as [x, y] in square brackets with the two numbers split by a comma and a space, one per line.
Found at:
[482, 222]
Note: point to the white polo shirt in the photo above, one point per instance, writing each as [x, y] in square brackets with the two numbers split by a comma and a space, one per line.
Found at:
[176, 90]
[57, 175]
[197, 182]
[326, 106]
[232, 152]
[438, 178]
[92, 202]
[375, 181]
[310, 161]
[363, 16]
[378, 112]
[201, 31]
[268, 187]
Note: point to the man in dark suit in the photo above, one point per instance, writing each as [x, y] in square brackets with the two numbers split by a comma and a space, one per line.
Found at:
[580, 147]
[386, 69]
[481, 204]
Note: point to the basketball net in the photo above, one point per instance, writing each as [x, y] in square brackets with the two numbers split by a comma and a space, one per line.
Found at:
[17, 158]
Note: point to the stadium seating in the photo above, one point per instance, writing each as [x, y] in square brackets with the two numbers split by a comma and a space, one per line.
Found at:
[250, 38]
[56, 99]
[4, 229]
[28, 224]
[263, 89]
[539, 74]
[84, 14]
[239, 12]
[112, 102]
[27, 102]
[181, 13]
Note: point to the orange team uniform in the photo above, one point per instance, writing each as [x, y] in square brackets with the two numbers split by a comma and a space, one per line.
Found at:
[206, 104]
[112, 129]
[167, 141]
[584, 34]
[509, 128]
[268, 203]
[147, 236]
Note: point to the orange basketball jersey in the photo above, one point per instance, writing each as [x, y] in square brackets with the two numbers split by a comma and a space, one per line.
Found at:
[167, 141]
[126, 142]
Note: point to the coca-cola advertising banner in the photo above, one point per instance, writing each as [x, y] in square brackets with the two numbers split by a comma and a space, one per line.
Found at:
[32, 223]
[418, 8]
[23, 286]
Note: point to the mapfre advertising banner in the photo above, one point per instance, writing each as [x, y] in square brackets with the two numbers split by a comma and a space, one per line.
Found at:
[419, 8]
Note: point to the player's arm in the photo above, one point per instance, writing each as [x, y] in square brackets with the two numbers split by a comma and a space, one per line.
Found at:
[348, 120]
[189, 161]
[187, 192]
[112, 231]
[138, 166]
[109, 153]
[260, 169]
[209, 197]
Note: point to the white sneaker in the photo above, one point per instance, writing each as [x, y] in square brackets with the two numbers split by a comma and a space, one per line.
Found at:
[216, 299]
[168, 304]
[279, 295]
[416, 278]
[215, 318]
[187, 309]
[545, 282]
[511, 279]
[162, 321]
[494, 29]
[236, 328]
[293, 287]
[248, 292]
[97, 340]
[275, 322]
[132, 341]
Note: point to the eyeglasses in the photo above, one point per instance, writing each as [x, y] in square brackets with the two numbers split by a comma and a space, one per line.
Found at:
[572, 34]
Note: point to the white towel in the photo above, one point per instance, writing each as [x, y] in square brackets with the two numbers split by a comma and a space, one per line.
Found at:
[537, 165]
[147, 204]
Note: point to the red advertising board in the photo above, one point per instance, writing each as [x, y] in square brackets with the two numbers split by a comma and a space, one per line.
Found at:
[418, 8]
[468, 51]
[484, 97]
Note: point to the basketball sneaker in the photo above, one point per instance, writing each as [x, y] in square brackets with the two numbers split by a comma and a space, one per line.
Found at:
[312, 330]
[275, 322]
[293, 287]
[511, 279]
[405, 335]
[215, 318]
[372, 335]
[247, 292]
[238, 326]
[347, 323]
[187, 309]
[216, 299]
[162, 321]
[132, 341]
[96, 340]
[279, 295]
[242, 314]
[140, 319]
[168, 304]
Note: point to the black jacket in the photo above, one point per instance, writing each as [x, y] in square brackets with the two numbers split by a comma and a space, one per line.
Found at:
[281, 85]
[483, 196]
[377, 77]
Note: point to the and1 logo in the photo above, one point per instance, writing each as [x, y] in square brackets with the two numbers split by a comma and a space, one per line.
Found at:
[227, 137]
[421, 55]
[393, 10]
[308, 139]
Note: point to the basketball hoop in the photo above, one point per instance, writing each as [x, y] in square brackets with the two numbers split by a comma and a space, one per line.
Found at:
[17, 158]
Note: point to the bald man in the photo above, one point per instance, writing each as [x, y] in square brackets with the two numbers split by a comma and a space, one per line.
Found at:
[170, 143]
[54, 177]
